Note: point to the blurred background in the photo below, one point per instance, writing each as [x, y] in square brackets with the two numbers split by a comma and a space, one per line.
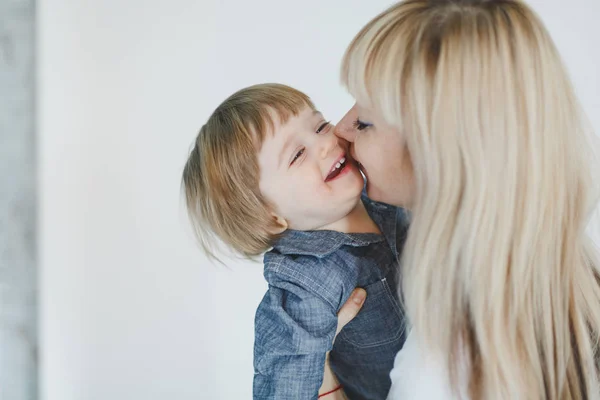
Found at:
[103, 292]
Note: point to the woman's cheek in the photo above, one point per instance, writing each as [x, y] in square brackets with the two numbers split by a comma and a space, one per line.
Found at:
[362, 149]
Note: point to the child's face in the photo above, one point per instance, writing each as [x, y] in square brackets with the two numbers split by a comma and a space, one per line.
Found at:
[306, 172]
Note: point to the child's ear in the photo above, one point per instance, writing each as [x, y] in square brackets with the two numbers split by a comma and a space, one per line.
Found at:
[281, 223]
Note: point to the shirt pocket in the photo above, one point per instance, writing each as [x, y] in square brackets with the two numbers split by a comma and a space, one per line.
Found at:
[379, 322]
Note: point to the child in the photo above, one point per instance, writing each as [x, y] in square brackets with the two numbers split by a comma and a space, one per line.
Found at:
[267, 174]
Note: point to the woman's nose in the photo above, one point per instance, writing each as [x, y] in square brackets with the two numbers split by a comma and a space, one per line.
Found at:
[345, 128]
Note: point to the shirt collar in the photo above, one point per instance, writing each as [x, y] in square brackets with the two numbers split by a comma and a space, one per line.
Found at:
[323, 243]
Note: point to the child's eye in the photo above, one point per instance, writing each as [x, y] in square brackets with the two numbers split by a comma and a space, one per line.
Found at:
[297, 156]
[360, 125]
[323, 126]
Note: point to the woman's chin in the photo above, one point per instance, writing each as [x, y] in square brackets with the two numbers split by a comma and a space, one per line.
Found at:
[373, 193]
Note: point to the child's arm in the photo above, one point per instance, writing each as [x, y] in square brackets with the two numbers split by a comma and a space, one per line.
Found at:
[296, 324]
[294, 331]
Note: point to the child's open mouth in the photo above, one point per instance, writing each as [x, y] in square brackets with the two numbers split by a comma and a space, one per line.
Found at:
[337, 169]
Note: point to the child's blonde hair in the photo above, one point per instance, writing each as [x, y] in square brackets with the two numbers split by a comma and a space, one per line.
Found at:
[497, 267]
[221, 176]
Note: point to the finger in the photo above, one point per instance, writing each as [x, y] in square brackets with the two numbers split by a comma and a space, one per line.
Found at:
[351, 308]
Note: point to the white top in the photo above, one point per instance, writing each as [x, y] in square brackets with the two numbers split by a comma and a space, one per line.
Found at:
[417, 375]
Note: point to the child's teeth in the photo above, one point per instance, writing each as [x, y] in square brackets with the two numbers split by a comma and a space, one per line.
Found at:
[338, 164]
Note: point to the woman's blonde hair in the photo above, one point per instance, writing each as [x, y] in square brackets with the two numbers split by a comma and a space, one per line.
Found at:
[221, 175]
[498, 271]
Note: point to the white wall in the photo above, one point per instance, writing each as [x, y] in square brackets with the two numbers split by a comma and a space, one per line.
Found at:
[130, 308]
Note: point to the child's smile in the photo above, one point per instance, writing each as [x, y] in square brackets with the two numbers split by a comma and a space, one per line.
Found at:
[337, 169]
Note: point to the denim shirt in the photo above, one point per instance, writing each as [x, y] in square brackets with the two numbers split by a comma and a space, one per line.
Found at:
[311, 275]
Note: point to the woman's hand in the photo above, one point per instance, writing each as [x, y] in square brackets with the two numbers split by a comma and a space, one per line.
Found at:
[351, 308]
[346, 314]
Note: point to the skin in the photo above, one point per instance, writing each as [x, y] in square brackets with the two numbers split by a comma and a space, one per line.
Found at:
[382, 153]
[295, 165]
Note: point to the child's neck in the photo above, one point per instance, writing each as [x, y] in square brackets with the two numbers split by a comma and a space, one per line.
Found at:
[356, 221]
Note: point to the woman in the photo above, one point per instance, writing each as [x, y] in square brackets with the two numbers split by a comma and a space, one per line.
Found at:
[466, 116]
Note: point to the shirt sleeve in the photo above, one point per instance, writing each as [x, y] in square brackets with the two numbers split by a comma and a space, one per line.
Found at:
[294, 328]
